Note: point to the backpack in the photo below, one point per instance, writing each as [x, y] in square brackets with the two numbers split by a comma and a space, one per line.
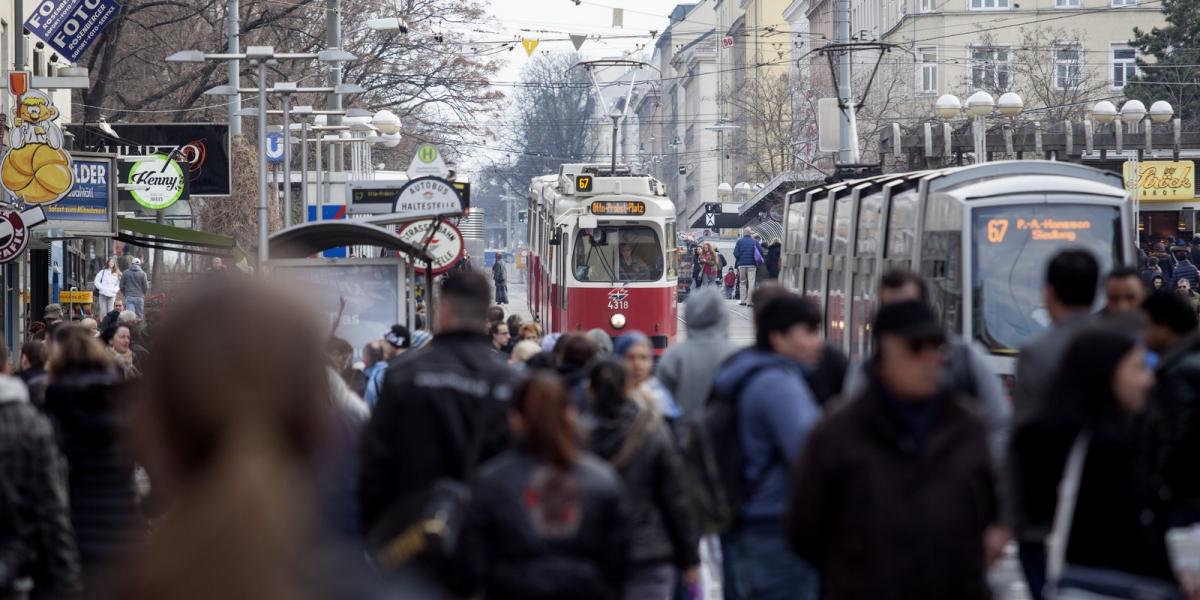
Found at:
[713, 460]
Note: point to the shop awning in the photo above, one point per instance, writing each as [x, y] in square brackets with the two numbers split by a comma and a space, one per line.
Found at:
[149, 234]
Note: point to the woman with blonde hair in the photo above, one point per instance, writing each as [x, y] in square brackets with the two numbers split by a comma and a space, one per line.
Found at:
[711, 268]
[108, 283]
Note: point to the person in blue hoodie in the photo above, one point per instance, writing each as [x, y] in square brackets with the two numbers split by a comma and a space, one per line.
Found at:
[776, 411]
[746, 255]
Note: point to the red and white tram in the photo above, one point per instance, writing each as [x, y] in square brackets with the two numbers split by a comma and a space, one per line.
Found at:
[602, 253]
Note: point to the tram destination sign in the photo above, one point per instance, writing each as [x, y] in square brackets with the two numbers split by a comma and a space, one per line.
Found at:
[622, 208]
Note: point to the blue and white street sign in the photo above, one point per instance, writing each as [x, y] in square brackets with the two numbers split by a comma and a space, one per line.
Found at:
[71, 26]
[275, 147]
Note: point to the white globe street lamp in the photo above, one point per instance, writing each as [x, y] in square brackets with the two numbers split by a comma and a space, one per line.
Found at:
[947, 107]
[1161, 111]
[1010, 104]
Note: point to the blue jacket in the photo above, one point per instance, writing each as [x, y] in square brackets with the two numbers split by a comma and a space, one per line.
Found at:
[776, 412]
[374, 375]
[1186, 270]
[743, 252]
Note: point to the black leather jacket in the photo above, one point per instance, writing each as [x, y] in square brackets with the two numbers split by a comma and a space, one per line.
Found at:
[431, 404]
[663, 527]
[536, 532]
[1173, 424]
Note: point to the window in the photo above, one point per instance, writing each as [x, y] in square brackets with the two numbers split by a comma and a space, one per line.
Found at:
[1066, 3]
[991, 68]
[1120, 3]
[903, 7]
[927, 6]
[1068, 67]
[618, 253]
[990, 4]
[927, 70]
[1124, 65]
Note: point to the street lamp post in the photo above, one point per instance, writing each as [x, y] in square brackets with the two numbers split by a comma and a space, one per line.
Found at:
[259, 56]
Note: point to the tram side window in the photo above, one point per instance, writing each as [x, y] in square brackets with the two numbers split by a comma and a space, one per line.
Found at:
[941, 260]
[817, 237]
[797, 219]
[902, 226]
[618, 253]
[836, 307]
[866, 246]
[672, 255]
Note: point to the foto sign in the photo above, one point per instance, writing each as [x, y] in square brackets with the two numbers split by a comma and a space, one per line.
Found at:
[444, 244]
[427, 197]
[1162, 180]
[71, 26]
[427, 162]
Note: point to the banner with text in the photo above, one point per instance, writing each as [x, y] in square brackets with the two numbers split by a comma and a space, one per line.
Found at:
[71, 26]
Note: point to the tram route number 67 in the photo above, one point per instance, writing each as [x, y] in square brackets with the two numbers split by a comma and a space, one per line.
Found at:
[618, 299]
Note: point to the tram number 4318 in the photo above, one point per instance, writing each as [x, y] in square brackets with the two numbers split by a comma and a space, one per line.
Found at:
[618, 299]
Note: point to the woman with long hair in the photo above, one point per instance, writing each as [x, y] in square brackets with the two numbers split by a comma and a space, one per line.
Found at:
[636, 442]
[546, 519]
[711, 268]
[234, 422]
[91, 418]
[107, 284]
[1118, 521]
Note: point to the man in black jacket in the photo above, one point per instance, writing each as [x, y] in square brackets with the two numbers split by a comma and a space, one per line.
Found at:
[441, 411]
[1173, 418]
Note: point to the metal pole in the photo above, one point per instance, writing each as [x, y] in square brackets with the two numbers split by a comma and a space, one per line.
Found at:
[304, 171]
[287, 160]
[333, 39]
[320, 176]
[615, 121]
[330, 161]
[262, 164]
[19, 36]
[848, 143]
[235, 67]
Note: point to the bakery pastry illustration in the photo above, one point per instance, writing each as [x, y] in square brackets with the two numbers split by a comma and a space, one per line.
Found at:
[35, 169]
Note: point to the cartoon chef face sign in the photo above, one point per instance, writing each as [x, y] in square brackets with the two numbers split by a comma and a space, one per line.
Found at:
[36, 169]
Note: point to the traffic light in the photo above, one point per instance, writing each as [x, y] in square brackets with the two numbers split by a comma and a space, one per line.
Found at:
[522, 216]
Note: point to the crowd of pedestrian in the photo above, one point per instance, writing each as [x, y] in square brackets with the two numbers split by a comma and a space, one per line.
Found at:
[247, 454]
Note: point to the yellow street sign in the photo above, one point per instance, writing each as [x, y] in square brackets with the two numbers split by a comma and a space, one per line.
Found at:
[76, 297]
[1162, 180]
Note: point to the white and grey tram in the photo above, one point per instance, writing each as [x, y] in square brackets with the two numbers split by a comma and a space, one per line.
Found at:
[980, 236]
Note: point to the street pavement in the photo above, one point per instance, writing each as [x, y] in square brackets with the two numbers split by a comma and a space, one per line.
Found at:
[1005, 577]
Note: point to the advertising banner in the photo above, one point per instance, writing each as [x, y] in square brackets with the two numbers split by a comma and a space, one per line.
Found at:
[1162, 180]
[374, 296]
[36, 168]
[71, 26]
[202, 149]
[89, 209]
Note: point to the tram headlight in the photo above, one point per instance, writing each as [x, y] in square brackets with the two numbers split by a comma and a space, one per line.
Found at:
[617, 321]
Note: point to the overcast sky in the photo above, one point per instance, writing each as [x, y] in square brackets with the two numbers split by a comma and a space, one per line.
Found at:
[558, 18]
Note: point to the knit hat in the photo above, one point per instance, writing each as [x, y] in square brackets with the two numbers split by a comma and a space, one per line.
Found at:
[629, 340]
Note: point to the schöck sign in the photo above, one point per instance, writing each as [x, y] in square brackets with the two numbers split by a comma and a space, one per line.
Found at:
[71, 26]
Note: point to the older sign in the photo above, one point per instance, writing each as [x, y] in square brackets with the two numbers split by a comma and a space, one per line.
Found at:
[1162, 180]
[89, 209]
[445, 244]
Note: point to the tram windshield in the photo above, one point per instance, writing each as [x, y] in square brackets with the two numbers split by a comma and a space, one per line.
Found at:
[1010, 248]
[618, 253]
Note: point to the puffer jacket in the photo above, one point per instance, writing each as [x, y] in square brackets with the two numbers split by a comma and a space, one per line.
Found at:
[663, 527]
[534, 532]
[36, 538]
[431, 404]
[91, 420]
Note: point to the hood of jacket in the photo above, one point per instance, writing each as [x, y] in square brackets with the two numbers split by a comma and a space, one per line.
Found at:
[12, 390]
[740, 365]
[608, 434]
[706, 314]
[135, 267]
[87, 403]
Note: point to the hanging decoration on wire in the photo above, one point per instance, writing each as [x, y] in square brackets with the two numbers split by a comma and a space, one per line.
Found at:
[618, 17]
[530, 44]
[578, 40]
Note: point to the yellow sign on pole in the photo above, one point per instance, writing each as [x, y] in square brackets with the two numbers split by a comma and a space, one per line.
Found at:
[77, 297]
[1162, 180]
[530, 45]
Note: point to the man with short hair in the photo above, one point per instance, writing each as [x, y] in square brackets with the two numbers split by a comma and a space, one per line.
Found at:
[895, 495]
[1070, 288]
[966, 370]
[775, 411]
[745, 257]
[1184, 269]
[500, 337]
[1123, 291]
[134, 287]
[441, 411]
[37, 542]
[53, 313]
[1173, 415]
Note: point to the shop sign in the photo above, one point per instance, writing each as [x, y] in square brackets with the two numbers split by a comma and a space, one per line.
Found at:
[163, 179]
[89, 208]
[70, 27]
[445, 244]
[14, 231]
[1161, 180]
[36, 169]
[75, 297]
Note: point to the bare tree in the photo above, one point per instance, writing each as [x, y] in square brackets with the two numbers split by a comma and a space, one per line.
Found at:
[1051, 74]
[779, 116]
